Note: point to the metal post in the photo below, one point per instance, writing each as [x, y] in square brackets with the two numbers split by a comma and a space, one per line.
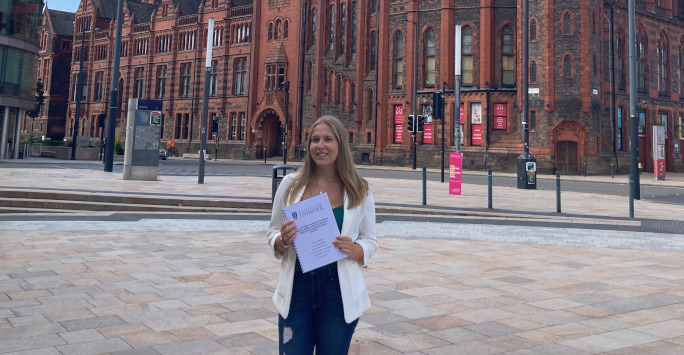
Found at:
[424, 186]
[633, 119]
[205, 105]
[441, 102]
[414, 103]
[114, 91]
[526, 76]
[558, 192]
[287, 119]
[631, 199]
[457, 91]
[612, 170]
[79, 88]
[489, 188]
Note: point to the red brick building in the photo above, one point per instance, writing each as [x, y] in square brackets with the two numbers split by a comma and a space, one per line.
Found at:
[53, 67]
[285, 60]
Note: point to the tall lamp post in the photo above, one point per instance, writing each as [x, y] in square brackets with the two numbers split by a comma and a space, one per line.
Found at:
[457, 90]
[524, 182]
[286, 86]
[79, 88]
[415, 88]
[634, 188]
[205, 103]
[114, 91]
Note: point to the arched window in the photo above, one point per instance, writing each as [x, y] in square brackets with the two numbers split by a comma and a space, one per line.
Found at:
[278, 30]
[270, 32]
[398, 60]
[593, 21]
[662, 63]
[533, 30]
[533, 72]
[370, 105]
[507, 57]
[313, 27]
[373, 58]
[286, 28]
[566, 66]
[374, 6]
[429, 64]
[343, 27]
[594, 64]
[620, 60]
[331, 27]
[641, 59]
[566, 23]
[325, 81]
[338, 90]
[353, 28]
[467, 56]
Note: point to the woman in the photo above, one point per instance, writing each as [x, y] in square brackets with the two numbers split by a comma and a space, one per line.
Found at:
[321, 308]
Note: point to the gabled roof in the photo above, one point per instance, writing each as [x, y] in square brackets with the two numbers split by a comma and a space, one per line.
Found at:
[238, 3]
[107, 8]
[62, 22]
[277, 54]
[141, 11]
[187, 7]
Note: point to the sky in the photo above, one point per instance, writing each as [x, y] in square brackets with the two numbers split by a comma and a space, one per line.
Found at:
[63, 5]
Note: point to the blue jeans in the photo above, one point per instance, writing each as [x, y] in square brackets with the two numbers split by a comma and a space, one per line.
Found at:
[316, 316]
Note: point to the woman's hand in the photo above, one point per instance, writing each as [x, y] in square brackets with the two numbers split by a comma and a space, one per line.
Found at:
[288, 232]
[347, 246]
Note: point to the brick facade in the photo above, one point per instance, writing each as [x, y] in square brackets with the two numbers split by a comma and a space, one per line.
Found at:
[359, 66]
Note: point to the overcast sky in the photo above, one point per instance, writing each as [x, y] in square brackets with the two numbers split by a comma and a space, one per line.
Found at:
[64, 5]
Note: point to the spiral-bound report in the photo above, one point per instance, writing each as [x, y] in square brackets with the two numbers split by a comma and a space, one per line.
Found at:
[316, 231]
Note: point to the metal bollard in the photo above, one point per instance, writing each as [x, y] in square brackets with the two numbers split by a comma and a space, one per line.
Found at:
[585, 169]
[489, 189]
[631, 197]
[662, 171]
[612, 172]
[424, 186]
[558, 193]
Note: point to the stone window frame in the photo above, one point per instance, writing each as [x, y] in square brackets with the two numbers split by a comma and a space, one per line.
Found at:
[620, 51]
[642, 59]
[508, 55]
[427, 56]
[567, 66]
[468, 29]
[567, 26]
[397, 50]
[533, 71]
[663, 60]
[533, 29]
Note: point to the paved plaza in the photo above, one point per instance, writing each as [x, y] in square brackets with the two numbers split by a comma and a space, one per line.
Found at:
[510, 280]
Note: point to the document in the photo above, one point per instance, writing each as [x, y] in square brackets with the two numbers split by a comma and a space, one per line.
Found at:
[316, 231]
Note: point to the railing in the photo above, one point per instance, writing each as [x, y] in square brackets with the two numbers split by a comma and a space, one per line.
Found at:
[241, 11]
[187, 20]
[142, 27]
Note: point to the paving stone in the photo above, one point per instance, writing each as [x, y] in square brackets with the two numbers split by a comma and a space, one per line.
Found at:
[30, 331]
[94, 347]
[92, 323]
[188, 347]
[29, 343]
[81, 336]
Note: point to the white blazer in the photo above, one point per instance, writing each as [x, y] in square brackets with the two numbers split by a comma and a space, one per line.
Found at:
[358, 224]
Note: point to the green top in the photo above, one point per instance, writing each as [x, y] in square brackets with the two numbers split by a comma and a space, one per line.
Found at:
[339, 218]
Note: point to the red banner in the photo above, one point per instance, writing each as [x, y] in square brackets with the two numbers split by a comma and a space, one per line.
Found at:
[427, 133]
[500, 116]
[455, 164]
[398, 123]
[476, 134]
[462, 114]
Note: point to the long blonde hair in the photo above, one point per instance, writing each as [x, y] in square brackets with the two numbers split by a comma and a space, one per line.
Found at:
[355, 186]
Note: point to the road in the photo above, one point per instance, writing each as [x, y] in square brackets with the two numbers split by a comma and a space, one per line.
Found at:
[178, 167]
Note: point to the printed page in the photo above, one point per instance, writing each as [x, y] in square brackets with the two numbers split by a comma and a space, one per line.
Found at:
[316, 231]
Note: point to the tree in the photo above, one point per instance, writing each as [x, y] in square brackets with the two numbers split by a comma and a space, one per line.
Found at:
[40, 101]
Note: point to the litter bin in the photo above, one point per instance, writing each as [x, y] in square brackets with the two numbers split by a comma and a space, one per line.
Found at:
[527, 172]
[275, 182]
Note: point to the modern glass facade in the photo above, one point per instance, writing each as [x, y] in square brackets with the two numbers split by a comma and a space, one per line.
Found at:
[19, 21]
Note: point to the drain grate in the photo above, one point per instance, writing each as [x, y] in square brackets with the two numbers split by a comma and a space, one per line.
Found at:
[655, 225]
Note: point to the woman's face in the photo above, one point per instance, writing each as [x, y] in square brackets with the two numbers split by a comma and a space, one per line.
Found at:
[324, 146]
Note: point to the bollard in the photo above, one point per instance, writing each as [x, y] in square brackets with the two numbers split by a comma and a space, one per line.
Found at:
[631, 197]
[612, 172]
[489, 189]
[424, 186]
[585, 169]
[662, 171]
[558, 193]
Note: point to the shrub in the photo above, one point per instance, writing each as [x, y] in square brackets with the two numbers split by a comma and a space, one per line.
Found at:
[117, 147]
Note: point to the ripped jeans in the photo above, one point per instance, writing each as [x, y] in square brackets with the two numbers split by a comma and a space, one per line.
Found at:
[316, 317]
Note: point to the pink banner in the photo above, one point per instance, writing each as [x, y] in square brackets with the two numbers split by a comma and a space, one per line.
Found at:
[455, 163]
[427, 133]
[476, 134]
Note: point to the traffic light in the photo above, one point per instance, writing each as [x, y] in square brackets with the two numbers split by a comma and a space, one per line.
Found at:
[437, 105]
[410, 123]
[421, 121]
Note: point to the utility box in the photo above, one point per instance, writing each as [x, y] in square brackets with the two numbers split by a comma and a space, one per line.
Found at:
[659, 152]
[141, 157]
[277, 178]
[527, 172]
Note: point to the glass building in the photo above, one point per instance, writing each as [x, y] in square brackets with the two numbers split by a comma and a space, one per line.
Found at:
[19, 21]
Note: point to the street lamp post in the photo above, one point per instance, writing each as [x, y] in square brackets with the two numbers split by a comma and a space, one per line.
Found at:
[79, 89]
[415, 88]
[114, 92]
[205, 103]
[286, 86]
